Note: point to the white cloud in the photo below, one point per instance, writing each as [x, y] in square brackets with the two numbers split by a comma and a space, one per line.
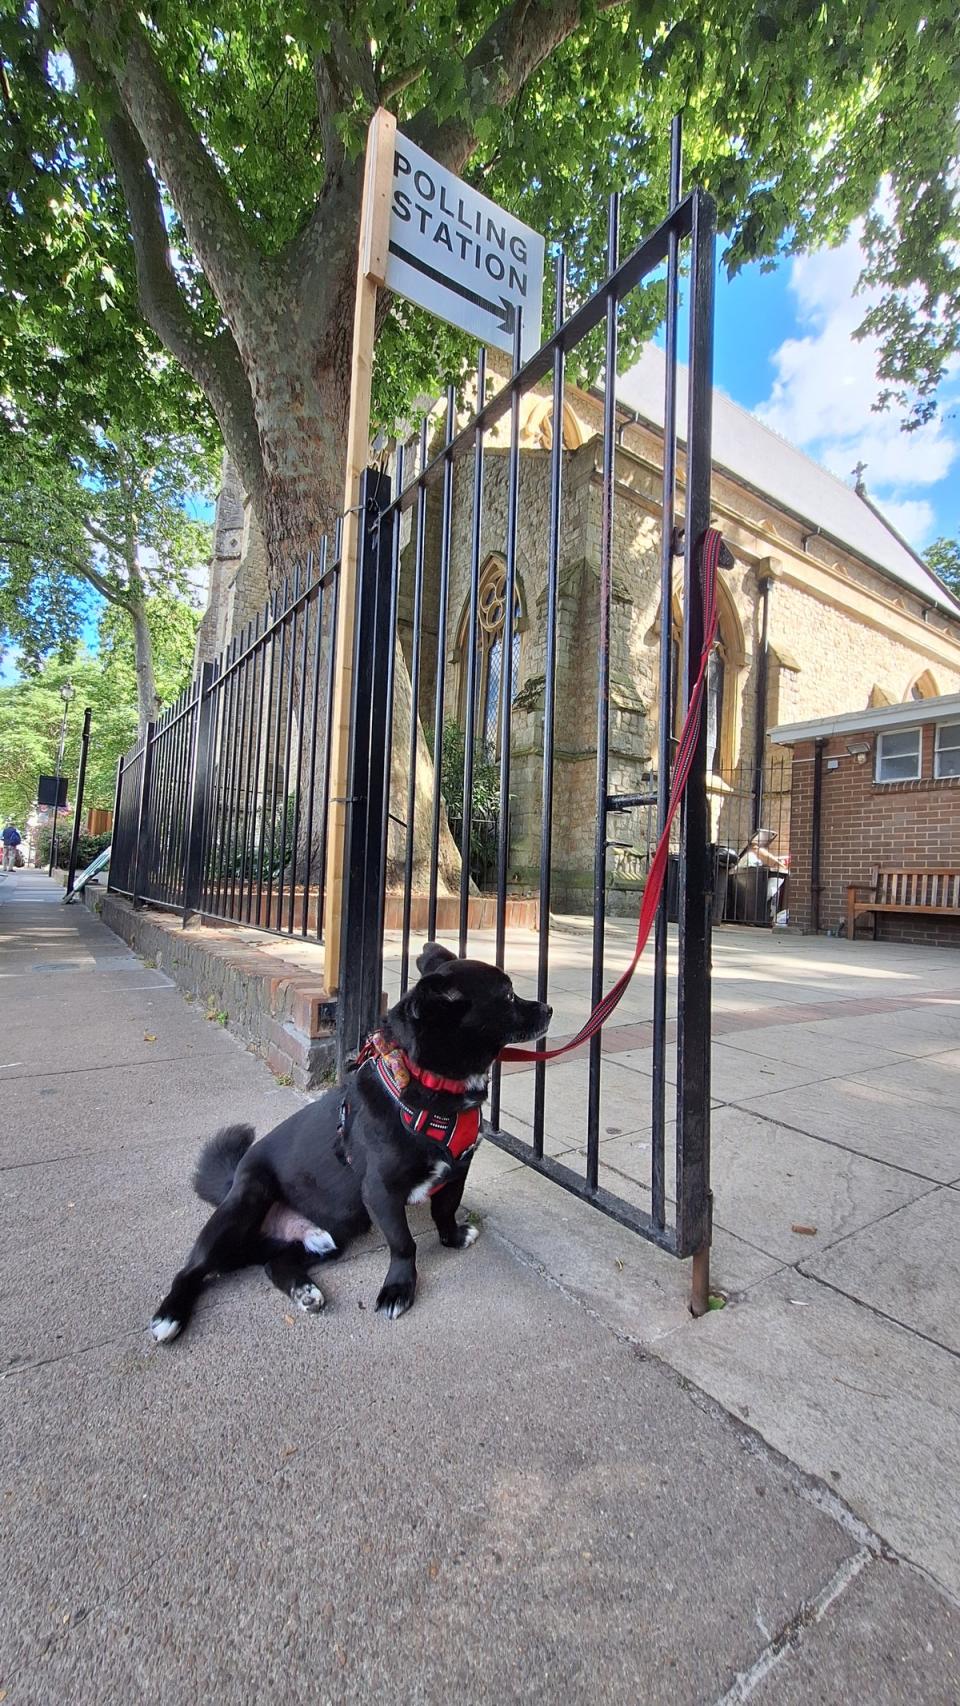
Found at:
[913, 517]
[825, 387]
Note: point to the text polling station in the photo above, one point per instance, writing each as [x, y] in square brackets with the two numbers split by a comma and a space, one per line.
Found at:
[460, 256]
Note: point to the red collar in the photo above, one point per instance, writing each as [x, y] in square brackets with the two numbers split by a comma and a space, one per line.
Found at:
[402, 1068]
[458, 1129]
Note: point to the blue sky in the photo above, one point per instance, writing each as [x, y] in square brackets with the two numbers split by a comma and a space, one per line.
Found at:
[785, 350]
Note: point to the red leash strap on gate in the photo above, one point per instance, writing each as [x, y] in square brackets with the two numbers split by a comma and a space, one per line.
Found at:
[710, 547]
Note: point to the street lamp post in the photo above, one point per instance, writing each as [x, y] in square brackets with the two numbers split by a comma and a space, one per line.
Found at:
[67, 692]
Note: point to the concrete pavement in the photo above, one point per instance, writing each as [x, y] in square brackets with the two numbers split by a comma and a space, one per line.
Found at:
[505, 1494]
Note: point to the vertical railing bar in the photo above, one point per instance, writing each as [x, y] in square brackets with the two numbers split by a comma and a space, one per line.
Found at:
[391, 688]
[440, 676]
[666, 689]
[213, 817]
[414, 712]
[226, 748]
[328, 745]
[260, 763]
[506, 680]
[693, 995]
[473, 657]
[117, 797]
[207, 840]
[314, 711]
[250, 774]
[243, 691]
[214, 856]
[549, 691]
[301, 713]
[288, 742]
[143, 809]
[278, 696]
[603, 695]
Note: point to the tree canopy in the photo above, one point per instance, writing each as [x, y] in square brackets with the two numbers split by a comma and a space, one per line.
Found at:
[943, 557]
[194, 169]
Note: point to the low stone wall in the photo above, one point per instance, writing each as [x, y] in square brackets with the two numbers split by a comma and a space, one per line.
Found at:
[281, 1011]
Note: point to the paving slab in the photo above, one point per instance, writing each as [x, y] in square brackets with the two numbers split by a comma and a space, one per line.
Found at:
[100, 1109]
[809, 1045]
[890, 1640]
[929, 1029]
[871, 1119]
[364, 1511]
[929, 1078]
[734, 1074]
[907, 1265]
[867, 1406]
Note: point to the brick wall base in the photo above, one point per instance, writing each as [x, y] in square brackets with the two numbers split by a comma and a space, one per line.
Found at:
[282, 1012]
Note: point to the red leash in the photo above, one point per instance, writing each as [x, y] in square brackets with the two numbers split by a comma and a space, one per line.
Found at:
[710, 548]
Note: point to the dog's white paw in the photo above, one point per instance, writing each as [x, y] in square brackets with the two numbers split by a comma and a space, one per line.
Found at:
[308, 1297]
[319, 1242]
[470, 1236]
[164, 1328]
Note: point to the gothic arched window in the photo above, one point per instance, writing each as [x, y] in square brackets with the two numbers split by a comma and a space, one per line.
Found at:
[491, 625]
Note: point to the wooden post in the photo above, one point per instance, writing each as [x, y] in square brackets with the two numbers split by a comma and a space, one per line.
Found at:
[371, 274]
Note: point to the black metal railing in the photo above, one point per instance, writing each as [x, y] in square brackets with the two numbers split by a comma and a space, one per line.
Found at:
[221, 807]
[454, 499]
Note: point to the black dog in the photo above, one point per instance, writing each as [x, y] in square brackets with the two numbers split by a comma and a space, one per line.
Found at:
[404, 1127]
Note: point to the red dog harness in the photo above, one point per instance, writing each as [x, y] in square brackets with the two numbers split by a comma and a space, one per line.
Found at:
[458, 1131]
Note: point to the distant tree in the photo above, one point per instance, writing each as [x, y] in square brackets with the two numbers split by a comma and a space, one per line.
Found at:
[943, 557]
[111, 517]
[31, 708]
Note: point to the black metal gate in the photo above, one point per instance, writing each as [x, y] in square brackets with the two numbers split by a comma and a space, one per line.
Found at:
[432, 606]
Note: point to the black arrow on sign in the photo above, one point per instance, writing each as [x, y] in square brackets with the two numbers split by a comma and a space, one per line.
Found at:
[504, 311]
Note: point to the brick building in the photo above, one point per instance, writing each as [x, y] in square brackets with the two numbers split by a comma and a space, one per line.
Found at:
[873, 788]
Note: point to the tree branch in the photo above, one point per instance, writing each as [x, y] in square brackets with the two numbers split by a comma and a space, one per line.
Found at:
[121, 48]
[214, 363]
[111, 593]
[102, 538]
[511, 51]
[395, 86]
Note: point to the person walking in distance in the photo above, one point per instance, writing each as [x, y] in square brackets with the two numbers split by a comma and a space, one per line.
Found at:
[11, 841]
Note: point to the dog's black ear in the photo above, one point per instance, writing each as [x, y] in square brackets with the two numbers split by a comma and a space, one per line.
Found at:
[437, 999]
[434, 955]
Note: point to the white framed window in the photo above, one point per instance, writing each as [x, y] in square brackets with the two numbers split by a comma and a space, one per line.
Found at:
[946, 760]
[898, 756]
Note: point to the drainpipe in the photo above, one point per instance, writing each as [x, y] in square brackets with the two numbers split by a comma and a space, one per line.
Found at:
[760, 730]
[815, 884]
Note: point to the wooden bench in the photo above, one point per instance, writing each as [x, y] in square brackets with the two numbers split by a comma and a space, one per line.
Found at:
[917, 890]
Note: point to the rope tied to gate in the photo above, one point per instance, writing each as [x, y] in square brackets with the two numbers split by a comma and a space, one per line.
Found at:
[708, 556]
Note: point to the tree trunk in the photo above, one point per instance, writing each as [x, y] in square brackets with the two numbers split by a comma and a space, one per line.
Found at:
[303, 430]
[148, 704]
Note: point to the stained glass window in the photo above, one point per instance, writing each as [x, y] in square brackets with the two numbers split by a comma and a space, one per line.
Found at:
[491, 611]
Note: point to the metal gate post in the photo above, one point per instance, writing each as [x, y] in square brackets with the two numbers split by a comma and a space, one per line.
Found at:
[696, 876]
[141, 850]
[361, 952]
[117, 797]
[200, 773]
[78, 804]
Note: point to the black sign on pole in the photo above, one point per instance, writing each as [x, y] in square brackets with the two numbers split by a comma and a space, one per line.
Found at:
[52, 791]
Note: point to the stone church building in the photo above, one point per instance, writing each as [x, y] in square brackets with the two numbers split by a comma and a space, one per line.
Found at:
[825, 610]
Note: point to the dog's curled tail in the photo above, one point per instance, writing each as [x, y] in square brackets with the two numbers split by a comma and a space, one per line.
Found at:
[219, 1160]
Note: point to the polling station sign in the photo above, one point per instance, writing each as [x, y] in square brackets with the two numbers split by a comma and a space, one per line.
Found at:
[460, 256]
